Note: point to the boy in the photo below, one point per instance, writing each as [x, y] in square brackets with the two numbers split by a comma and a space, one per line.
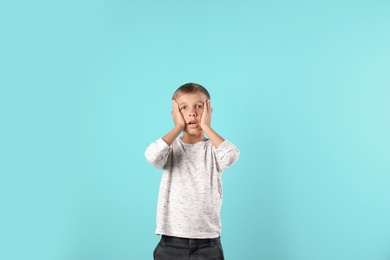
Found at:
[190, 196]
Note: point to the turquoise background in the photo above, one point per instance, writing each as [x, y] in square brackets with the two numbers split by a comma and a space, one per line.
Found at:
[301, 87]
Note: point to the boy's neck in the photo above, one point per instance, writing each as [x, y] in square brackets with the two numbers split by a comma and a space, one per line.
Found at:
[192, 139]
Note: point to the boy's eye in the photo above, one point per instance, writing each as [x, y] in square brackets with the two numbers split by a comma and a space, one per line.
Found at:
[183, 107]
[199, 106]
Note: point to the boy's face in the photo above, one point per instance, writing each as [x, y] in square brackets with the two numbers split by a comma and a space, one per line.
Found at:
[191, 107]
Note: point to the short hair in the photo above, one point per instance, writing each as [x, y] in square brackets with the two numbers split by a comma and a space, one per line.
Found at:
[190, 88]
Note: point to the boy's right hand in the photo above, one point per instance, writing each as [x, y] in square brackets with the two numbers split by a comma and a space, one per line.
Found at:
[177, 116]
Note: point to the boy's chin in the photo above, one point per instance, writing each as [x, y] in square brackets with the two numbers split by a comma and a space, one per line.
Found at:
[197, 131]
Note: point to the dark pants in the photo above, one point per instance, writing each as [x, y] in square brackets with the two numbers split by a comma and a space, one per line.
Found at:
[175, 248]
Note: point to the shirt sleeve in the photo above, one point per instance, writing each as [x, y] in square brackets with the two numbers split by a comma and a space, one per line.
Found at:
[157, 153]
[227, 154]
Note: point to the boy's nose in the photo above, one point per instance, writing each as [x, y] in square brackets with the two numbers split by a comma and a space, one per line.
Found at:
[192, 114]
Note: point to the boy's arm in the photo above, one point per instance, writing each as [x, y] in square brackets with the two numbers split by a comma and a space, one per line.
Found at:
[205, 124]
[179, 124]
[227, 153]
[157, 153]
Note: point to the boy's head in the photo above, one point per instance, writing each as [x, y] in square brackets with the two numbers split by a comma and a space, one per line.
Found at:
[190, 88]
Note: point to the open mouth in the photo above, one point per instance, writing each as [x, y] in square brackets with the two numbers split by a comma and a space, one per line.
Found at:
[192, 123]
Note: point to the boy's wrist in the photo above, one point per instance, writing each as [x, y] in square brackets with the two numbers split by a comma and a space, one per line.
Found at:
[215, 138]
[206, 128]
[179, 128]
[172, 135]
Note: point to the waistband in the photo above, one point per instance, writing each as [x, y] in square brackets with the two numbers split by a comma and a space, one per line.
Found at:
[188, 241]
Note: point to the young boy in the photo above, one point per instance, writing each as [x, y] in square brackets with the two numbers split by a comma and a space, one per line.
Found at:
[190, 196]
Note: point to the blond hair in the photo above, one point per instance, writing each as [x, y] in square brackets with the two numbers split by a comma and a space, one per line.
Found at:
[190, 88]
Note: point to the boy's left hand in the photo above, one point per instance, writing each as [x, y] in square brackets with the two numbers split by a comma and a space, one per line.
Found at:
[206, 116]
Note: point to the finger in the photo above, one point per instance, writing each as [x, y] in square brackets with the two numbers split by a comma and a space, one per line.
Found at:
[175, 106]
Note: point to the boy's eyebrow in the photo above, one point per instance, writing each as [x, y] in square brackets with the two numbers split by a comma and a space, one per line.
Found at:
[183, 103]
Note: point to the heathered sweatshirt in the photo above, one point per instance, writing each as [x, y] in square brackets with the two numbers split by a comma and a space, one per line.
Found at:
[190, 195]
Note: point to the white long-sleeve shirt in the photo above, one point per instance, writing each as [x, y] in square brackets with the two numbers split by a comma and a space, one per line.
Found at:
[190, 195]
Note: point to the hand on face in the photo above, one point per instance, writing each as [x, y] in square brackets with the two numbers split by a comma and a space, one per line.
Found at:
[177, 116]
[206, 116]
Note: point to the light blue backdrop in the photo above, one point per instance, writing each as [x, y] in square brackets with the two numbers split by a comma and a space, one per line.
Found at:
[301, 87]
